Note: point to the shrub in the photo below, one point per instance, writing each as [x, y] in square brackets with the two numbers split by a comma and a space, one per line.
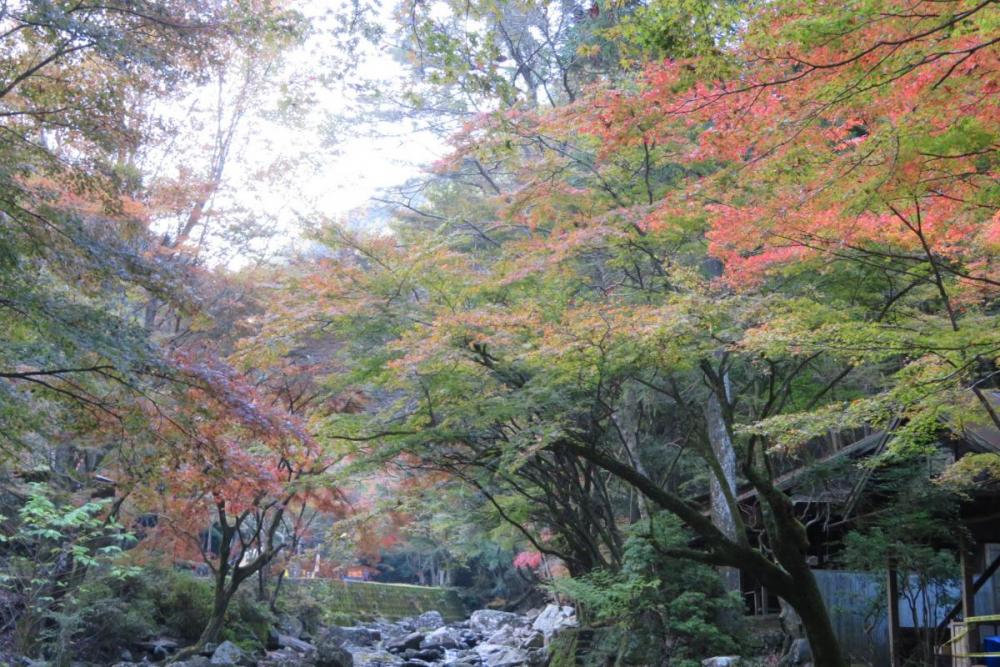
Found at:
[674, 604]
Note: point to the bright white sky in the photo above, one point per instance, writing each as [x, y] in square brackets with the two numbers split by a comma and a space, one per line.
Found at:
[288, 177]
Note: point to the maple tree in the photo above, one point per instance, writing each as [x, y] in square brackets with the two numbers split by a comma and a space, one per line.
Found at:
[715, 267]
[239, 478]
[678, 249]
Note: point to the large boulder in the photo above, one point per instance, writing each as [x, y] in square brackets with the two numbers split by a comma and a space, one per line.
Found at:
[554, 619]
[295, 644]
[290, 625]
[228, 654]
[505, 636]
[488, 621]
[331, 654]
[429, 620]
[495, 655]
[444, 637]
[331, 650]
[354, 636]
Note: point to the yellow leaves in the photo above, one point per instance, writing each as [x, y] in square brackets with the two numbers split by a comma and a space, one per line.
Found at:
[972, 472]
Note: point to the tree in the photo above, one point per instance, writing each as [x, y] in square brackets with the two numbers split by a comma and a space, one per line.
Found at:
[236, 470]
[515, 331]
[77, 92]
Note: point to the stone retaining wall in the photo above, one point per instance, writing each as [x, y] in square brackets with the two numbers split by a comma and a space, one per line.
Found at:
[365, 600]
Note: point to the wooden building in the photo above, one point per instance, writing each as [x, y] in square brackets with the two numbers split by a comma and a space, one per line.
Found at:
[835, 488]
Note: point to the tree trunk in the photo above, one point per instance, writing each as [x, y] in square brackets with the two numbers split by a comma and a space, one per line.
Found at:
[223, 594]
[809, 604]
[722, 484]
[273, 605]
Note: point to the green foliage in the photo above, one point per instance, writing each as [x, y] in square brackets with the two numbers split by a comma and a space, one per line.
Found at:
[678, 29]
[183, 606]
[917, 532]
[107, 614]
[51, 546]
[679, 601]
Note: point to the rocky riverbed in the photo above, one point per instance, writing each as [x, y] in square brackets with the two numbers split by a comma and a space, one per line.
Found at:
[488, 638]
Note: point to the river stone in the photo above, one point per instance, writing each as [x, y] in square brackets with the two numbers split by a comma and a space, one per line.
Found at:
[350, 635]
[284, 658]
[442, 637]
[193, 661]
[291, 625]
[410, 641]
[375, 658]
[488, 621]
[505, 636]
[533, 639]
[429, 620]
[229, 653]
[494, 655]
[295, 644]
[554, 619]
[331, 654]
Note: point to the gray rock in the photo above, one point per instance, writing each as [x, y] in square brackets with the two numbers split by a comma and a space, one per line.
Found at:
[533, 639]
[285, 658]
[721, 661]
[429, 620]
[428, 654]
[554, 619]
[538, 657]
[410, 641]
[391, 630]
[195, 661]
[505, 636]
[291, 626]
[295, 644]
[800, 653]
[443, 637]
[356, 636]
[330, 654]
[375, 658]
[495, 655]
[488, 621]
[160, 647]
[229, 653]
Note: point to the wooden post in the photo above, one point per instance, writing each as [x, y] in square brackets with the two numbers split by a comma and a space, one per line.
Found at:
[967, 564]
[959, 647]
[892, 590]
